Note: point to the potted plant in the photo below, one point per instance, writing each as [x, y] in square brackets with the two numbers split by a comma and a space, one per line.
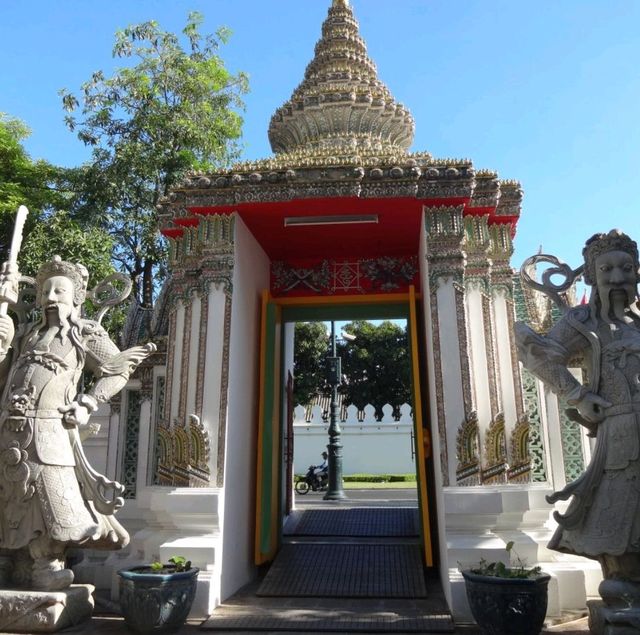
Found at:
[507, 600]
[157, 598]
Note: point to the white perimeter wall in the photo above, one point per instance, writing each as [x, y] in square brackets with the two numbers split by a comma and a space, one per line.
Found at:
[371, 449]
[250, 277]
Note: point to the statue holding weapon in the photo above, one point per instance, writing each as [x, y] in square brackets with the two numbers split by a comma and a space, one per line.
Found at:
[50, 497]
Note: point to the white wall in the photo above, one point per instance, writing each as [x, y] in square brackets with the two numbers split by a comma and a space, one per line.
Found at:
[372, 449]
[96, 445]
[250, 277]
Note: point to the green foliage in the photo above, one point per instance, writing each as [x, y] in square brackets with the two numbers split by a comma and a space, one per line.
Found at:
[376, 365]
[173, 110]
[180, 563]
[58, 233]
[177, 564]
[23, 182]
[49, 230]
[500, 570]
[311, 347]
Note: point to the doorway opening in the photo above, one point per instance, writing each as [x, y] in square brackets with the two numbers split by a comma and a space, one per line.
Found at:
[279, 463]
[373, 413]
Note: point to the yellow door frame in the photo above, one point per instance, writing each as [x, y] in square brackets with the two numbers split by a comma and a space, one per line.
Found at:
[268, 466]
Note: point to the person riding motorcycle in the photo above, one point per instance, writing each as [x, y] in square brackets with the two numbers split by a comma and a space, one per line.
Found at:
[321, 472]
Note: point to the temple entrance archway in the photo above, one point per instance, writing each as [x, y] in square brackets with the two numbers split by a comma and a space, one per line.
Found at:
[273, 461]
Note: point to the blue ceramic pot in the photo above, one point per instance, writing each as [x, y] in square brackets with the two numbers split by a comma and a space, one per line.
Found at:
[156, 602]
[507, 606]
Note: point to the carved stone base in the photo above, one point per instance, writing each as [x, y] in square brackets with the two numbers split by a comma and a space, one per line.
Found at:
[44, 611]
[607, 620]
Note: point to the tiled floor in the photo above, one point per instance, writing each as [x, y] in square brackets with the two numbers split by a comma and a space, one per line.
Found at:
[346, 571]
[354, 522]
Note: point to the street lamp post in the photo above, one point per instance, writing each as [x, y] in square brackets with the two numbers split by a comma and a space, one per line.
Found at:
[335, 491]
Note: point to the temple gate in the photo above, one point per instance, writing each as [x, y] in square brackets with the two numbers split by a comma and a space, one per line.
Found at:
[342, 216]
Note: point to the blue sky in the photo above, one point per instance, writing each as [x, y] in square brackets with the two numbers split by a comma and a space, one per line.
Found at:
[543, 92]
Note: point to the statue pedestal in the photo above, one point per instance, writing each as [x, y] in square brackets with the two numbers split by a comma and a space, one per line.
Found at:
[23, 611]
[606, 620]
[618, 613]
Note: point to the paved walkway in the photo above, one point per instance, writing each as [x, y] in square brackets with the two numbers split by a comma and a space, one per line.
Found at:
[111, 625]
[319, 615]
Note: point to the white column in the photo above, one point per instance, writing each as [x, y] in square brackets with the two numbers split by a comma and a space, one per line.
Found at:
[177, 362]
[478, 354]
[550, 413]
[194, 345]
[503, 349]
[213, 370]
[144, 449]
[451, 368]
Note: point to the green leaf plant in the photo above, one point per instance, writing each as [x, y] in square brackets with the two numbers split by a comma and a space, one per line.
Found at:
[518, 570]
[177, 564]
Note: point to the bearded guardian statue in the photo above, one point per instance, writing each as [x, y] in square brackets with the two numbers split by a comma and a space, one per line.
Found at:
[602, 521]
[50, 497]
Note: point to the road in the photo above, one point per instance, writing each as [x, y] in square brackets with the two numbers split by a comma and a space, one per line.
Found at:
[361, 498]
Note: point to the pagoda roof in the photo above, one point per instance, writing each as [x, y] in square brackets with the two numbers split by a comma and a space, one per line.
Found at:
[341, 106]
[341, 154]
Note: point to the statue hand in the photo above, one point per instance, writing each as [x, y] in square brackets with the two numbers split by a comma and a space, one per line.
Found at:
[592, 406]
[7, 332]
[75, 414]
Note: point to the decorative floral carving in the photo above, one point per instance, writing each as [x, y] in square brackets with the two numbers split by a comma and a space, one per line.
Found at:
[184, 451]
[328, 277]
[520, 461]
[495, 452]
[285, 278]
[389, 274]
[468, 448]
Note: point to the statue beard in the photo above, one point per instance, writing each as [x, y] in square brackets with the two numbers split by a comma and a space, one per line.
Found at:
[618, 306]
[65, 319]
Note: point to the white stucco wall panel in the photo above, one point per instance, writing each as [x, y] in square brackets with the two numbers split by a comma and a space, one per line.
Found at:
[478, 356]
[177, 361]
[214, 354]
[451, 368]
[250, 277]
[505, 363]
[194, 344]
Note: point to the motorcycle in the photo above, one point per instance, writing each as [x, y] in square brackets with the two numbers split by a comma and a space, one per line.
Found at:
[312, 481]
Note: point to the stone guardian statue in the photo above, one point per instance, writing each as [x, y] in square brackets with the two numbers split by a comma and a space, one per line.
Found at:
[55, 370]
[602, 521]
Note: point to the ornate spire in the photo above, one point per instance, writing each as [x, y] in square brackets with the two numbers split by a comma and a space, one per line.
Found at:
[341, 107]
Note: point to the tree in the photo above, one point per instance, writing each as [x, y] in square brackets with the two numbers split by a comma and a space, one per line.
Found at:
[310, 349]
[23, 181]
[173, 111]
[44, 189]
[376, 365]
[57, 233]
